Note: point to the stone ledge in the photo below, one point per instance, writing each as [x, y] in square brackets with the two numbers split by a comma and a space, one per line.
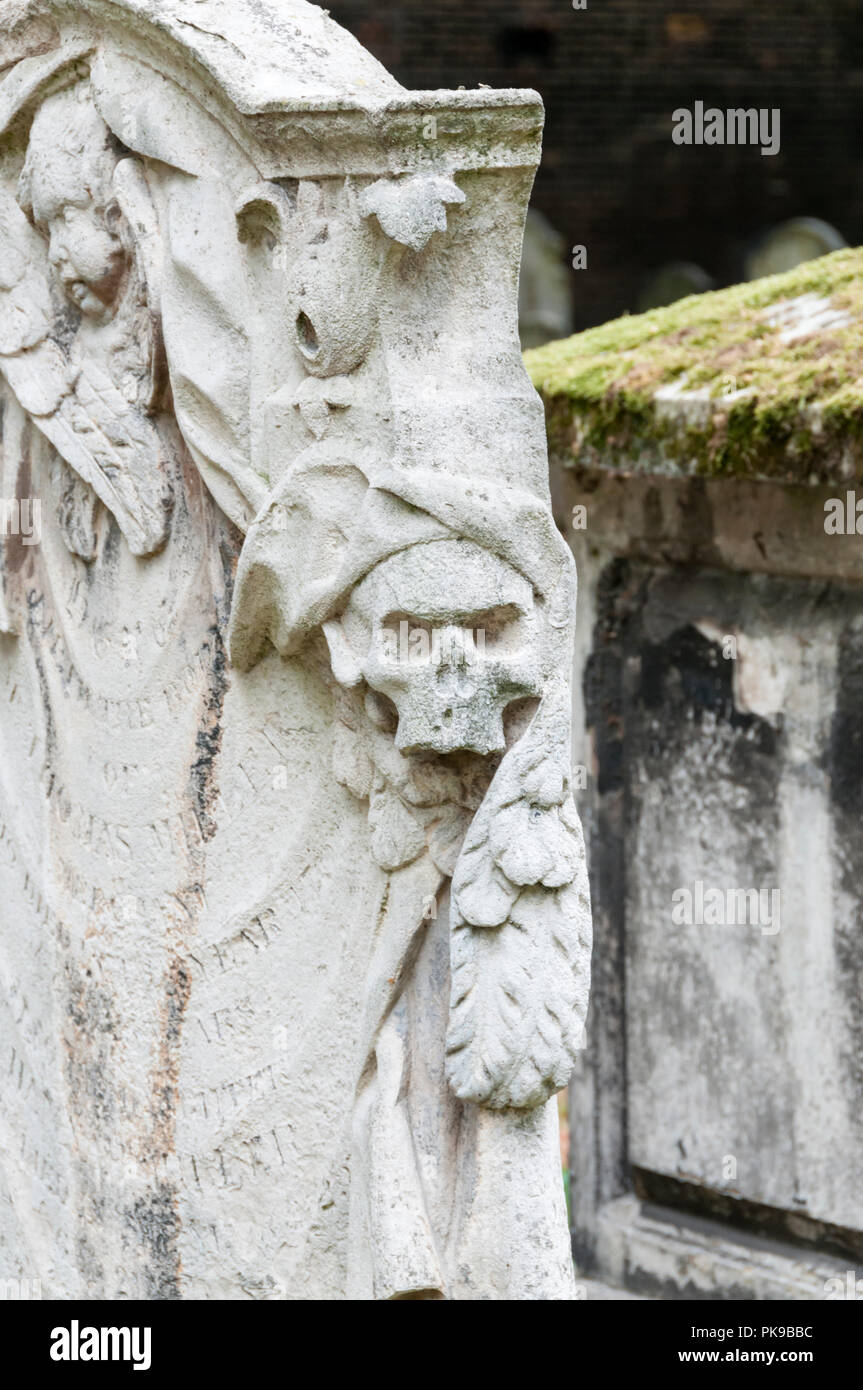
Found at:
[761, 380]
[656, 1251]
[749, 526]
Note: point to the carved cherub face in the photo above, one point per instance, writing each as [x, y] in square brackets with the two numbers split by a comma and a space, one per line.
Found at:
[66, 185]
[446, 630]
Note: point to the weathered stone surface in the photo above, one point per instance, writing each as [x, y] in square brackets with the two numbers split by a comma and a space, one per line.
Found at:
[295, 925]
[715, 1115]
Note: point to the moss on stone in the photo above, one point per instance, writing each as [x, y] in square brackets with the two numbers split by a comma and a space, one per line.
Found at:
[764, 379]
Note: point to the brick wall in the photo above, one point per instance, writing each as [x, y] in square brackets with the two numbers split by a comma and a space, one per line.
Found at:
[611, 75]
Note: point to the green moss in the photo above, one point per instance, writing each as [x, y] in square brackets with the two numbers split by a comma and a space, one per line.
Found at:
[750, 401]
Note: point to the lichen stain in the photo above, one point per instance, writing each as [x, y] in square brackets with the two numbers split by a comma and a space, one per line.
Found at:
[208, 741]
[154, 1218]
[165, 1078]
[155, 1224]
[95, 1031]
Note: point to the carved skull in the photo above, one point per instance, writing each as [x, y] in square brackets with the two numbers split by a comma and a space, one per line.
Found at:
[448, 632]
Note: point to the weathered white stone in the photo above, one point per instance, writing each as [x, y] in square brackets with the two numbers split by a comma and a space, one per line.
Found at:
[295, 924]
[723, 1076]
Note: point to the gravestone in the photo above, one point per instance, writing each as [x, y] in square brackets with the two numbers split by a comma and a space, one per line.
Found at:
[295, 923]
[544, 287]
[792, 242]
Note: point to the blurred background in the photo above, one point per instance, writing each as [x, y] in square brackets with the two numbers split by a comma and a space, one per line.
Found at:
[658, 220]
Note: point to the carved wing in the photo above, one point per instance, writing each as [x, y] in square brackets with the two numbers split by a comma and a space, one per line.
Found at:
[521, 929]
[25, 300]
[104, 437]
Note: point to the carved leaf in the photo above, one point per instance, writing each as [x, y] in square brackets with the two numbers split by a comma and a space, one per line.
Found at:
[25, 302]
[521, 931]
[411, 209]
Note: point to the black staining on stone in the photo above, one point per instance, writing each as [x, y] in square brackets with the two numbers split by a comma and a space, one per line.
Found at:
[154, 1224]
[91, 1036]
[653, 515]
[153, 1219]
[77, 513]
[679, 683]
[680, 758]
[165, 1078]
[697, 523]
[753, 1220]
[618, 599]
[848, 954]
[90, 1270]
[684, 726]
[230, 545]
[44, 690]
[89, 1008]
[845, 756]
[208, 740]
[602, 679]
[659, 695]
[384, 905]
[178, 991]
[111, 546]
[688, 677]
[65, 325]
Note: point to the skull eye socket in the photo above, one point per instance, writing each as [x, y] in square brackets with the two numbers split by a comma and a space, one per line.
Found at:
[480, 631]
